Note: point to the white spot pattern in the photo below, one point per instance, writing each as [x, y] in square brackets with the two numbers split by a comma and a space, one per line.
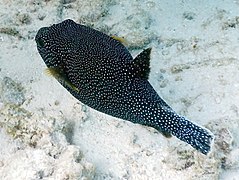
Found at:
[110, 81]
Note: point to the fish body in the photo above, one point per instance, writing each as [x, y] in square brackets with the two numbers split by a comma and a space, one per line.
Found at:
[100, 72]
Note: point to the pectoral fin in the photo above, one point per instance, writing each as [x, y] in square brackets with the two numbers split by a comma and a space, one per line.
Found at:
[60, 76]
[121, 40]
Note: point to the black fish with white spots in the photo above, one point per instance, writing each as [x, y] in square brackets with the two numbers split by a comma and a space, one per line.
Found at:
[99, 71]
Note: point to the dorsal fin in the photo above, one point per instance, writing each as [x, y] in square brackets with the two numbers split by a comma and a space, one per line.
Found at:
[141, 64]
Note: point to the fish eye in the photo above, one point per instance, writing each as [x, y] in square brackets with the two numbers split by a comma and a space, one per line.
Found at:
[40, 42]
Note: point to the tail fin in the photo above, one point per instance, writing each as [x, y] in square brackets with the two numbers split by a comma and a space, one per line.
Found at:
[198, 137]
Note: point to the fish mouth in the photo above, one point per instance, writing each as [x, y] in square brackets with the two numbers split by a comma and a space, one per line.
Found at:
[41, 41]
[42, 32]
[48, 44]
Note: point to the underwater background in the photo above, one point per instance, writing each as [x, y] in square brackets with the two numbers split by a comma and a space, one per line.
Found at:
[45, 133]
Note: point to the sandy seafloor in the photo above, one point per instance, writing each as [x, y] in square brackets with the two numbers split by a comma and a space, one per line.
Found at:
[47, 134]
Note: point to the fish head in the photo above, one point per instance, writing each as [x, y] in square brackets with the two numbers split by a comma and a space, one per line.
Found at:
[54, 44]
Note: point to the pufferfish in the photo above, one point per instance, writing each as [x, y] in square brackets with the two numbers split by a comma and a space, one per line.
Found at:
[100, 72]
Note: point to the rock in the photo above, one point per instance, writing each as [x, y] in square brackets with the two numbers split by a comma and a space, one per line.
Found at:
[11, 92]
[37, 164]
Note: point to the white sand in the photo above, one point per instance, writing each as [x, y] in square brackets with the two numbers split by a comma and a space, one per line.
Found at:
[46, 133]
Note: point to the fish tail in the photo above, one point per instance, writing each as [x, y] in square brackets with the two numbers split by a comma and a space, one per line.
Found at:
[198, 137]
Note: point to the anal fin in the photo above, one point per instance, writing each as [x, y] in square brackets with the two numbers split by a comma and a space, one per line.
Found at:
[166, 134]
